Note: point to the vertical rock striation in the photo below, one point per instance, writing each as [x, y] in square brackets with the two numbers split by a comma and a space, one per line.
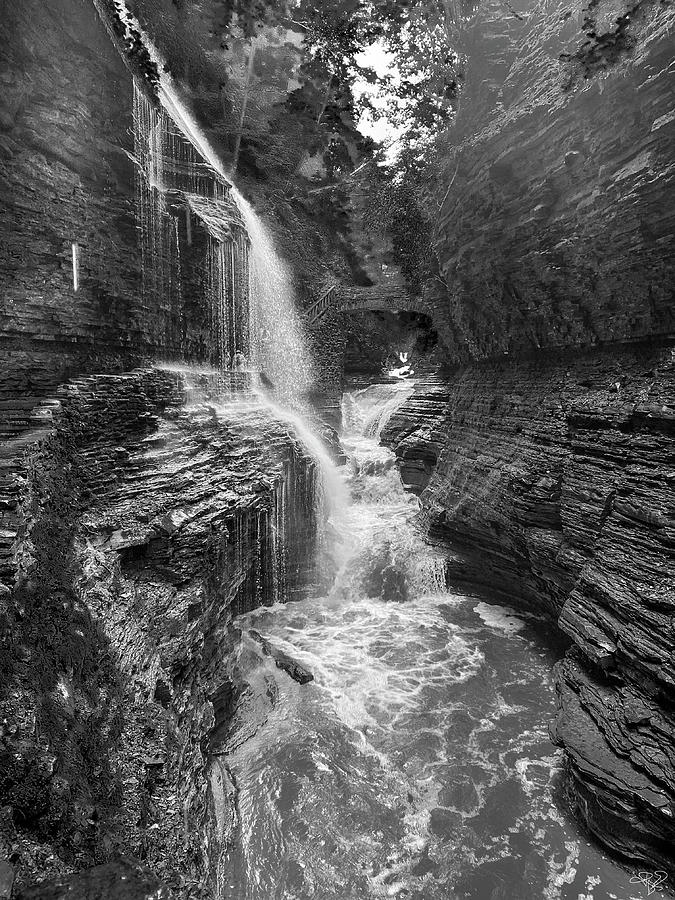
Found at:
[147, 525]
[554, 480]
[554, 486]
[554, 231]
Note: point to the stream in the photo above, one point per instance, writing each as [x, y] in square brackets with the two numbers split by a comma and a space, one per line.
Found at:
[417, 763]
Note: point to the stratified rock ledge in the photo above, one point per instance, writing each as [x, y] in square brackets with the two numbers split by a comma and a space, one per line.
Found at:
[554, 487]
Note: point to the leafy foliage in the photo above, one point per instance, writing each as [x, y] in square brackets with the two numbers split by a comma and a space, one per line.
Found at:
[389, 202]
[292, 76]
[421, 87]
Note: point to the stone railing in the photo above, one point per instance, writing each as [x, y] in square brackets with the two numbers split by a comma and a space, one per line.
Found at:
[327, 300]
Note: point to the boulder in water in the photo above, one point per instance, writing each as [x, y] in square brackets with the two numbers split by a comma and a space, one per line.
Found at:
[283, 661]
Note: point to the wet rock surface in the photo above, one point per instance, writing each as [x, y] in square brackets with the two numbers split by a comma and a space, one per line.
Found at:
[553, 229]
[283, 661]
[146, 526]
[553, 482]
[553, 487]
[416, 434]
[65, 123]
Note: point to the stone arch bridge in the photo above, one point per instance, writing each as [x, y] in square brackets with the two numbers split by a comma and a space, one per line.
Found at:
[388, 296]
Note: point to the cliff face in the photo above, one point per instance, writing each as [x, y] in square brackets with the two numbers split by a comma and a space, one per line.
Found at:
[69, 169]
[148, 524]
[64, 178]
[554, 230]
[545, 463]
[553, 487]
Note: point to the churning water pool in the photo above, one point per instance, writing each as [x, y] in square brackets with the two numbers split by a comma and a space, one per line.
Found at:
[418, 763]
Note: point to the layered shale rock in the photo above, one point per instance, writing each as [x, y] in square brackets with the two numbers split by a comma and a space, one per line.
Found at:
[415, 431]
[92, 171]
[553, 230]
[65, 124]
[554, 486]
[154, 508]
[554, 476]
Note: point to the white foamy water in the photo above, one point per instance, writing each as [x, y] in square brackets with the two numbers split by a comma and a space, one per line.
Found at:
[366, 412]
[501, 617]
[278, 345]
[417, 763]
[331, 493]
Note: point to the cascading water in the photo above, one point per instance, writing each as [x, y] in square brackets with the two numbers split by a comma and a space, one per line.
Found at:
[417, 763]
[254, 326]
[279, 350]
[370, 409]
[331, 497]
[174, 185]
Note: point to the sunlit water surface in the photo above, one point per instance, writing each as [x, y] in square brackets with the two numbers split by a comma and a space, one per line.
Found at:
[418, 762]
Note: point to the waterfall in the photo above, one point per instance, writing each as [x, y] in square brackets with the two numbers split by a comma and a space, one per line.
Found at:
[331, 495]
[370, 409]
[278, 351]
[252, 328]
[381, 508]
[169, 139]
[276, 340]
[278, 347]
[174, 186]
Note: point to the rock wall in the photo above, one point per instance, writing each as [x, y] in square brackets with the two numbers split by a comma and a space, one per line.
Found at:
[552, 228]
[147, 524]
[553, 486]
[88, 160]
[545, 463]
[67, 176]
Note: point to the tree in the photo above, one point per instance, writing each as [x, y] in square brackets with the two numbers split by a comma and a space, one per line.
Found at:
[292, 66]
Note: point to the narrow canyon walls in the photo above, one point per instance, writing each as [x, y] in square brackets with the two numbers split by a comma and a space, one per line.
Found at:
[549, 471]
[554, 226]
[553, 486]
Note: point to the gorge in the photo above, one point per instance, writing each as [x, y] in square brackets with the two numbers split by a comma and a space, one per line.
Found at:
[327, 570]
